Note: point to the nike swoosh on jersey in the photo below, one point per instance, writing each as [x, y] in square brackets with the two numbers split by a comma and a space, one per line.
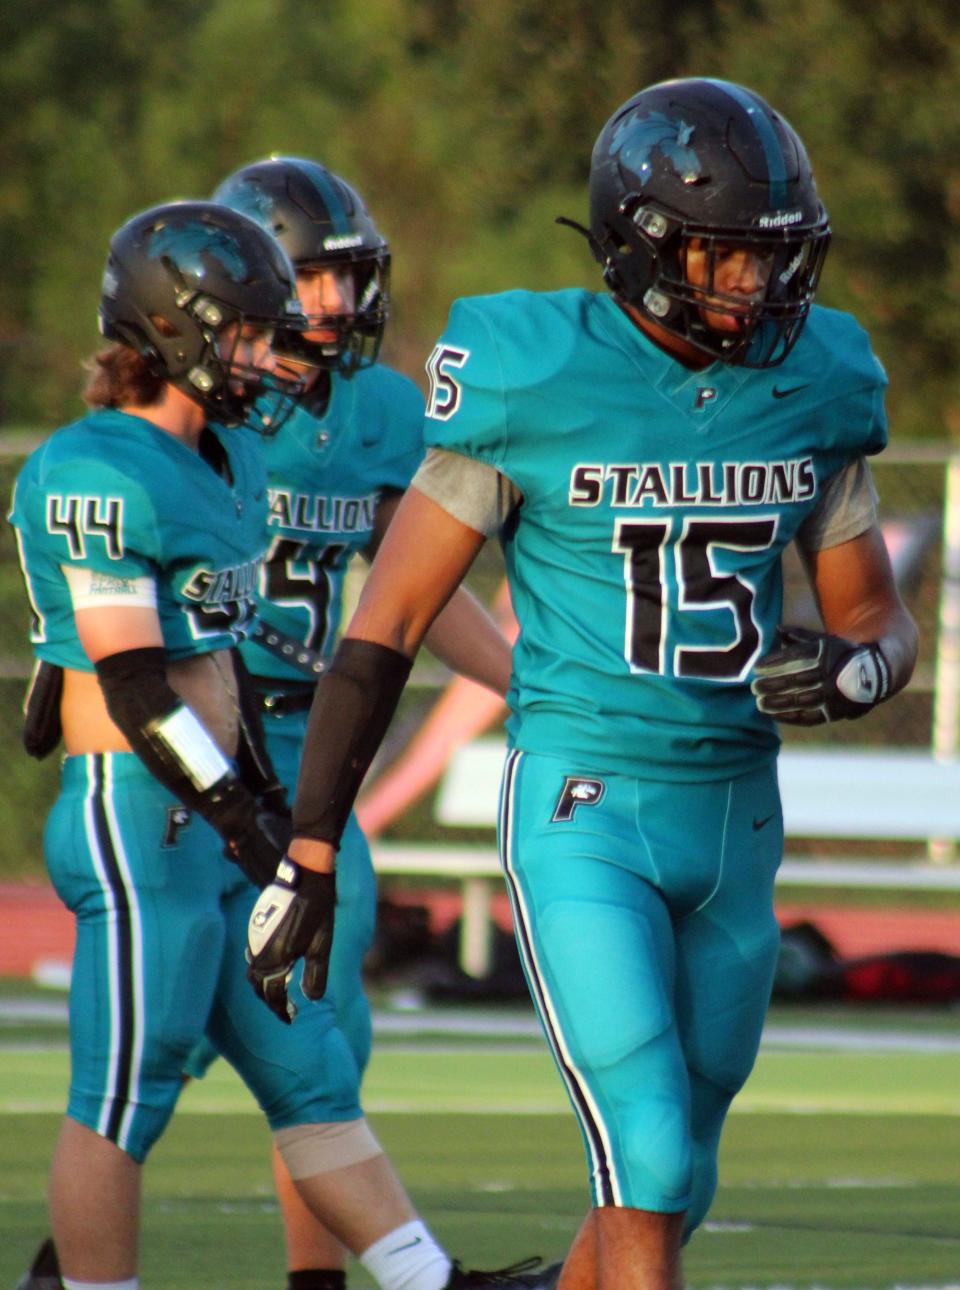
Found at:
[792, 389]
[759, 824]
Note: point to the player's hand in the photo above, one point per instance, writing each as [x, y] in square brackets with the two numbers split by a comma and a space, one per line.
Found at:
[292, 919]
[811, 677]
[260, 845]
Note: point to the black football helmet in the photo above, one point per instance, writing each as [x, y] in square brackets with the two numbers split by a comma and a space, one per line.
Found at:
[711, 160]
[322, 223]
[176, 276]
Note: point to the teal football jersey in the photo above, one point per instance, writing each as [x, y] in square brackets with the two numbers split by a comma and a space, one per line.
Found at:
[327, 473]
[115, 494]
[645, 558]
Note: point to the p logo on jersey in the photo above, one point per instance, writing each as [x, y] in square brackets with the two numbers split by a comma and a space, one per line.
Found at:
[706, 395]
[577, 791]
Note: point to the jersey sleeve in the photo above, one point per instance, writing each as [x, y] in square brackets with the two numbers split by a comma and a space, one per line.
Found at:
[92, 516]
[403, 440]
[844, 367]
[869, 406]
[466, 407]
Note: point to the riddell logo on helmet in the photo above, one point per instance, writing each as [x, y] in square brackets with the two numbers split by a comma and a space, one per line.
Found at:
[782, 219]
[343, 242]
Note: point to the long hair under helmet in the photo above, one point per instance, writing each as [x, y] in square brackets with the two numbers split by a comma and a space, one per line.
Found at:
[177, 277]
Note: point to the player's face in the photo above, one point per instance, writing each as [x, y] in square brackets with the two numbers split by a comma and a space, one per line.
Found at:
[246, 347]
[325, 293]
[727, 270]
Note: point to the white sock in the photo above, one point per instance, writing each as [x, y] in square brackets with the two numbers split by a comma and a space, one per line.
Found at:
[132, 1284]
[408, 1258]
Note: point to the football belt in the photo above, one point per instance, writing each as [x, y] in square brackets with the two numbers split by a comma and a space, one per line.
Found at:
[302, 657]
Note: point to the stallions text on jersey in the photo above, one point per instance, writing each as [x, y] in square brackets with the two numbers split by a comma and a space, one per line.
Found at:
[327, 473]
[644, 561]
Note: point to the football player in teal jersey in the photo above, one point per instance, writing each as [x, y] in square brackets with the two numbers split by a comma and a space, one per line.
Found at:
[141, 528]
[336, 472]
[140, 532]
[644, 454]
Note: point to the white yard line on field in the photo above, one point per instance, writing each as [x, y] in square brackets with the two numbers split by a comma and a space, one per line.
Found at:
[481, 1023]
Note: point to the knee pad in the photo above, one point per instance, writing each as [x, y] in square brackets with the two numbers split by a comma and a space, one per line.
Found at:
[309, 1149]
[635, 1124]
[611, 1023]
[607, 1005]
[709, 1103]
[703, 1190]
[656, 1153]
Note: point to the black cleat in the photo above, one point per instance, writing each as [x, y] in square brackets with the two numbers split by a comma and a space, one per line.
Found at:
[525, 1275]
[44, 1271]
[548, 1278]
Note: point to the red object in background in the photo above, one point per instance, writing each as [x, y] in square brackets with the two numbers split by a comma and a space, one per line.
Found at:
[856, 932]
[910, 977]
[36, 927]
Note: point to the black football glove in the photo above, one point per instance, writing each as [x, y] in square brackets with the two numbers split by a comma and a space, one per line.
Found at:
[810, 677]
[260, 845]
[292, 919]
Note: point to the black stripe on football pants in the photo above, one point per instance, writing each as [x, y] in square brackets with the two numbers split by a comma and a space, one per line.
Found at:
[570, 1078]
[120, 930]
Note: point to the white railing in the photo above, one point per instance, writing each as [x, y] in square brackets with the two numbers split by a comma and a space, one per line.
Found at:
[836, 794]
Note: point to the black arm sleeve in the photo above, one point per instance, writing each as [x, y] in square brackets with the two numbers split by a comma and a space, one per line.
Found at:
[352, 708]
[145, 706]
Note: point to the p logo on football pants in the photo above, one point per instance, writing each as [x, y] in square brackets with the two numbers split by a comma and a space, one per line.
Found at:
[178, 817]
[577, 791]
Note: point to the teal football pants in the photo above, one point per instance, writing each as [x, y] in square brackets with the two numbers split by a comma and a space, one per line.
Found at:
[356, 906]
[159, 963]
[356, 914]
[644, 918]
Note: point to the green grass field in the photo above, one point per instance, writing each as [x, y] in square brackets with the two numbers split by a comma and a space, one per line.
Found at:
[840, 1167]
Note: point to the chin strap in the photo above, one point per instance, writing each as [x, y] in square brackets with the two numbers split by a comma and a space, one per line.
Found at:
[595, 246]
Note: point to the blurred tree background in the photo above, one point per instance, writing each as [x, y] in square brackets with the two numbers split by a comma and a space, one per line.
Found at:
[468, 126]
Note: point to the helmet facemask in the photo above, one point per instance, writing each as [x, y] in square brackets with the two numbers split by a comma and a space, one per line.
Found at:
[695, 308]
[231, 389]
[357, 334]
[705, 172]
[323, 224]
[257, 394]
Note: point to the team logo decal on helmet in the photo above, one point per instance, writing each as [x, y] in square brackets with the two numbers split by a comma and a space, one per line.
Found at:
[322, 223]
[182, 285]
[636, 137]
[190, 245]
[691, 171]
